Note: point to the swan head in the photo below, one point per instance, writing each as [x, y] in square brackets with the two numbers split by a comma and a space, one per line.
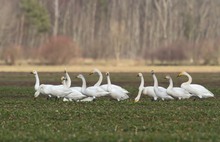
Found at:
[152, 72]
[65, 70]
[94, 71]
[139, 74]
[136, 99]
[80, 76]
[107, 74]
[167, 77]
[182, 73]
[63, 78]
[34, 72]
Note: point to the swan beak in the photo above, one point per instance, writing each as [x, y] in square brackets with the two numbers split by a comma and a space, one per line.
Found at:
[90, 73]
[179, 75]
[32, 72]
[137, 75]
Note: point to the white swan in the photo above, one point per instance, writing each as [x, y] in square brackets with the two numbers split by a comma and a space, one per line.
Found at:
[104, 86]
[92, 91]
[115, 93]
[67, 81]
[149, 90]
[50, 90]
[176, 92]
[75, 95]
[160, 92]
[195, 89]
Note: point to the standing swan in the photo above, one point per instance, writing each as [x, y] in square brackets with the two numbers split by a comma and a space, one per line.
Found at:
[195, 89]
[67, 81]
[92, 91]
[176, 92]
[104, 86]
[75, 95]
[50, 90]
[149, 90]
[159, 92]
[115, 93]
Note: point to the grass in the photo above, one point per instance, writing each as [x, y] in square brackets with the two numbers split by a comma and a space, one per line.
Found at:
[25, 119]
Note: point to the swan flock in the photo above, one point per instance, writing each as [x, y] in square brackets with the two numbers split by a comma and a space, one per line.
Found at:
[89, 93]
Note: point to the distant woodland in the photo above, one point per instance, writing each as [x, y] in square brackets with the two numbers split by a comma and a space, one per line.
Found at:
[154, 31]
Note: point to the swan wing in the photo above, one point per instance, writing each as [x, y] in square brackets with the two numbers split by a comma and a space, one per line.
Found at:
[60, 90]
[205, 92]
[105, 87]
[96, 91]
[118, 94]
[75, 95]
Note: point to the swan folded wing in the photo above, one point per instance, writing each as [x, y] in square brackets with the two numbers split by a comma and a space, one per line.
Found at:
[162, 89]
[60, 91]
[95, 91]
[101, 91]
[75, 95]
[76, 88]
[205, 92]
[105, 87]
[182, 93]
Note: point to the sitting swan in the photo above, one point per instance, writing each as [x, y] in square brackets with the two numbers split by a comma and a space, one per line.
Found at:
[195, 89]
[149, 90]
[115, 93]
[176, 92]
[49, 90]
[160, 92]
[92, 91]
[104, 86]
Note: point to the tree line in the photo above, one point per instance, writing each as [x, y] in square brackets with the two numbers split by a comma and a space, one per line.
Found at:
[157, 31]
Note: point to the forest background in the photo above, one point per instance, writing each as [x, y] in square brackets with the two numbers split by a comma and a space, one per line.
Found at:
[142, 32]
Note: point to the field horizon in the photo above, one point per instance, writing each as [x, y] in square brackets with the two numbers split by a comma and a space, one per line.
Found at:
[109, 68]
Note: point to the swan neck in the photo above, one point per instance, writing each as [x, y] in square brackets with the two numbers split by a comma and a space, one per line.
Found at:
[171, 84]
[98, 83]
[139, 95]
[155, 81]
[37, 83]
[142, 83]
[189, 79]
[83, 84]
[68, 81]
[108, 81]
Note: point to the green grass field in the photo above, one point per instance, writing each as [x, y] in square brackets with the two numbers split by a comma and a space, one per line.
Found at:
[25, 119]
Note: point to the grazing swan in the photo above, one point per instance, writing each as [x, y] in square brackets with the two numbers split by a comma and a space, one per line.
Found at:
[195, 89]
[149, 90]
[52, 90]
[92, 91]
[160, 92]
[104, 86]
[176, 92]
[115, 93]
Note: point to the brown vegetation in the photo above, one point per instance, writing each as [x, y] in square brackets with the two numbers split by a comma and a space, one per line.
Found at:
[59, 50]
